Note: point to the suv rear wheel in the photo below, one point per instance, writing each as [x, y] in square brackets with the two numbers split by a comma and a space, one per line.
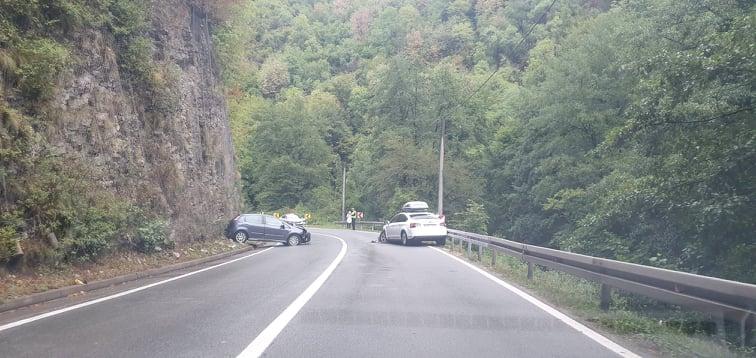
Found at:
[405, 241]
[293, 240]
[441, 242]
[240, 237]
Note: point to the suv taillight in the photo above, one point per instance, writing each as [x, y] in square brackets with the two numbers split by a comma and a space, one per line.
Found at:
[413, 225]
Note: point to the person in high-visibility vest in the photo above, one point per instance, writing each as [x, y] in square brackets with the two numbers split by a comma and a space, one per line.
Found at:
[351, 218]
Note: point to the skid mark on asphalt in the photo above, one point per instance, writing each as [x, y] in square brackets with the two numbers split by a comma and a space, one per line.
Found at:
[393, 319]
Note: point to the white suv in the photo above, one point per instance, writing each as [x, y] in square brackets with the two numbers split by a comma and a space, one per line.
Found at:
[414, 227]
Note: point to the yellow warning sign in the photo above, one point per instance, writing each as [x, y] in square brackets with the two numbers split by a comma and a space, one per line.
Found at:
[276, 215]
[307, 216]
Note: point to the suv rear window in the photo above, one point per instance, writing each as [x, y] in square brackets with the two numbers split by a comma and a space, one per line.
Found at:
[423, 216]
[398, 218]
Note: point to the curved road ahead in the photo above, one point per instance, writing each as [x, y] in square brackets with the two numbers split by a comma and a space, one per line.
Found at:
[380, 300]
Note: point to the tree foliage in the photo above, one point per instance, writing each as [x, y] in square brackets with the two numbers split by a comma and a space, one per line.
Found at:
[620, 129]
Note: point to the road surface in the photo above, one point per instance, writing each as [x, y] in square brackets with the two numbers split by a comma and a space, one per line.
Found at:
[377, 300]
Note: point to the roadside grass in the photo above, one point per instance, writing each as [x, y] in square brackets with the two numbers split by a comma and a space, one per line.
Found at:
[652, 328]
[43, 278]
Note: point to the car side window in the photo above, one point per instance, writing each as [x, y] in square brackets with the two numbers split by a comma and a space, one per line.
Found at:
[271, 221]
[253, 219]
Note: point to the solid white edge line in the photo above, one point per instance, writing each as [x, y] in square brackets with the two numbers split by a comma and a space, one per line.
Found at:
[597, 337]
[266, 337]
[120, 294]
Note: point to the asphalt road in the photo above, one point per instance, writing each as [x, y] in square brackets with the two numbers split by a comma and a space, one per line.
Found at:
[382, 300]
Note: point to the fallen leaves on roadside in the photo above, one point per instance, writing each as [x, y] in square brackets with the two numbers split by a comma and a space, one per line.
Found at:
[119, 263]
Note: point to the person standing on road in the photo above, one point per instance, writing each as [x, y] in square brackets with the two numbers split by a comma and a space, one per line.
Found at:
[351, 218]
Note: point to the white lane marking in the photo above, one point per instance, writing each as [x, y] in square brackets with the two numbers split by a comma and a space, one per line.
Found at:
[266, 337]
[120, 294]
[606, 342]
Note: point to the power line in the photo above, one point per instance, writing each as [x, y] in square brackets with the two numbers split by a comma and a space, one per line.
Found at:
[543, 15]
[443, 120]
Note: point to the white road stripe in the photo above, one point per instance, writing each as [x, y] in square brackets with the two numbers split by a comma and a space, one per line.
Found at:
[120, 294]
[266, 337]
[606, 342]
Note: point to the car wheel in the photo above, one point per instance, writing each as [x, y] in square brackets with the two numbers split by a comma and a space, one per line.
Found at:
[240, 237]
[405, 241]
[441, 242]
[382, 237]
[293, 240]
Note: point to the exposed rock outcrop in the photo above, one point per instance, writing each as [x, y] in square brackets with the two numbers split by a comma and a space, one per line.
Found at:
[178, 161]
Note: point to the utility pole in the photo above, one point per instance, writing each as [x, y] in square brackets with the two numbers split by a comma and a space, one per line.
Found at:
[343, 192]
[441, 169]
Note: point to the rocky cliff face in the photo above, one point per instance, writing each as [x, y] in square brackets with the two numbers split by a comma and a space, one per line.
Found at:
[177, 160]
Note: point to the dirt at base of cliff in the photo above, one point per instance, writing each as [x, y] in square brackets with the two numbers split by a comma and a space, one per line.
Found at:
[40, 279]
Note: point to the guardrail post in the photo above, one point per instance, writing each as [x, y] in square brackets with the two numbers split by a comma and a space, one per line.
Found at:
[469, 249]
[493, 257]
[606, 297]
[743, 331]
[530, 270]
[720, 324]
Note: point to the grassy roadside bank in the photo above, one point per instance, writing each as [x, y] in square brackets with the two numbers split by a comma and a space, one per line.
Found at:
[16, 285]
[649, 328]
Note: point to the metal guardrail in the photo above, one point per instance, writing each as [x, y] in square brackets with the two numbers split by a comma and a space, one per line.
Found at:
[723, 299]
[359, 223]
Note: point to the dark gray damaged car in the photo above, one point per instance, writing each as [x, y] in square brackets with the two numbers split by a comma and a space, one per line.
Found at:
[260, 227]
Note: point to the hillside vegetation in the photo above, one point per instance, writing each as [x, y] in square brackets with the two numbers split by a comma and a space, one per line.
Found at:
[623, 129]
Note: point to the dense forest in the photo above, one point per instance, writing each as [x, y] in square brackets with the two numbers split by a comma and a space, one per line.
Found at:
[623, 129]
